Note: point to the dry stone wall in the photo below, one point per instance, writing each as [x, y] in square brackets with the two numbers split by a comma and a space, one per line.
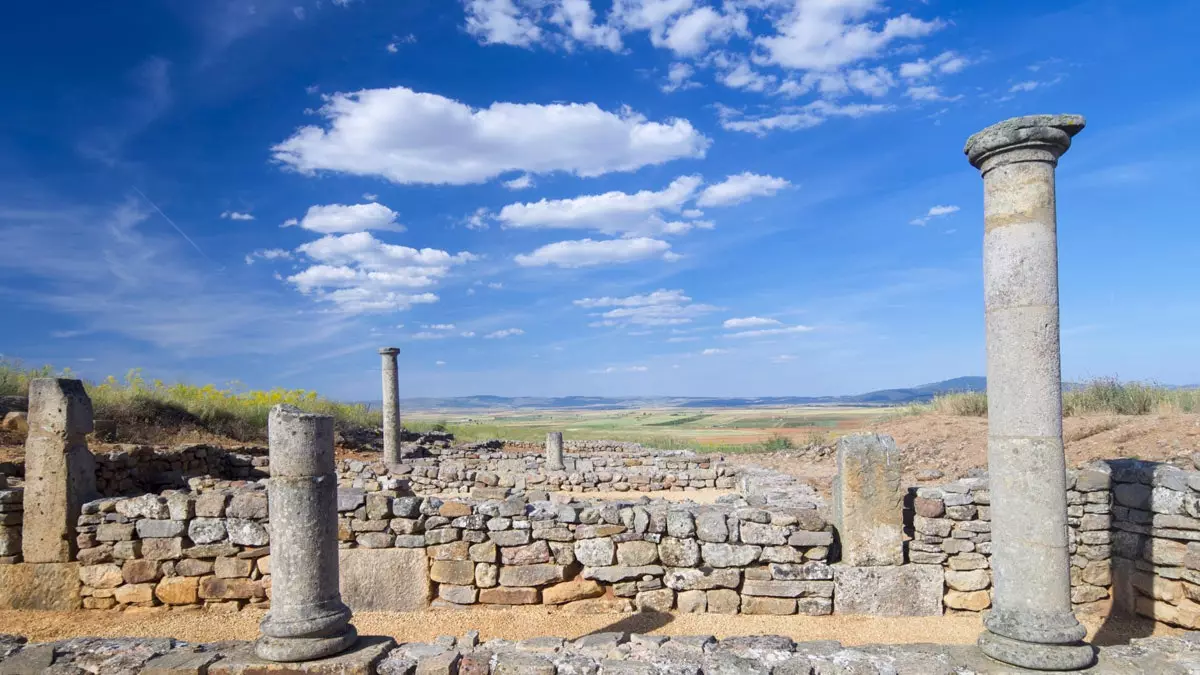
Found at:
[136, 469]
[11, 511]
[952, 527]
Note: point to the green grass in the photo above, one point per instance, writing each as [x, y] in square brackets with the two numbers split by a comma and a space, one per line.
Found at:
[155, 406]
[1102, 396]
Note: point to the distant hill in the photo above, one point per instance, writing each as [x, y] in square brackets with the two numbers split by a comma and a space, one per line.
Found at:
[919, 394]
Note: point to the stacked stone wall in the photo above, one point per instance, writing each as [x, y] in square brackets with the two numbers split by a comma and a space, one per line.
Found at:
[141, 469]
[1156, 541]
[464, 470]
[951, 526]
[12, 509]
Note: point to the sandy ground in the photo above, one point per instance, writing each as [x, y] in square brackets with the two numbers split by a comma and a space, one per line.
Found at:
[520, 623]
[955, 445]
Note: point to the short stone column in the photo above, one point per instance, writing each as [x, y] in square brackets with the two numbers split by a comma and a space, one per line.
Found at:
[391, 406]
[308, 619]
[1031, 624]
[554, 460]
[60, 471]
[868, 501]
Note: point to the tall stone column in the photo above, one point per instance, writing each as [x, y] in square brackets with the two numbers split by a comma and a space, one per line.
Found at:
[391, 406]
[308, 619]
[60, 471]
[554, 450]
[1031, 624]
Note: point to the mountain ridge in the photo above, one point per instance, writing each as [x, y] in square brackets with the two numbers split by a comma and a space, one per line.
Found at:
[919, 394]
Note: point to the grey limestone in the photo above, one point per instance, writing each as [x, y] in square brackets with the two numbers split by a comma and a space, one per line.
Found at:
[391, 406]
[554, 451]
[868, 500]
[1031, 624]
[308, 619]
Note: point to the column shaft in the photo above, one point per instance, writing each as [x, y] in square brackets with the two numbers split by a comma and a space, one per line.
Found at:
[1031, 624]
[308, 619]
[554, 451]
[391, 406]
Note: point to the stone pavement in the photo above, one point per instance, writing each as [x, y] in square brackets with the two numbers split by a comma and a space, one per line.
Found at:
[596, 654]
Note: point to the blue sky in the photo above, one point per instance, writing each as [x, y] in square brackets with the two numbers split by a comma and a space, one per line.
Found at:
[548, 197]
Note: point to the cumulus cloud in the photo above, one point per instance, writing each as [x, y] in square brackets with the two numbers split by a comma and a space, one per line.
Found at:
[268, 254]
[412, 137]
[236, 215]
[947, 62]
[749, 322]
[589, 253]
[614, 212]
[660, 308]
[501, 334]
[713, 351]
[934, 212]
[768, 332]
[358, 273]
[828, 35]
[343, 219]
[792, 118]
[501, 22]
[521, 182]
[478, 219]
[679, 77]
[738, 188]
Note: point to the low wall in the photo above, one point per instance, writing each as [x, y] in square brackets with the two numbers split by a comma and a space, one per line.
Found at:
[951, 526]
[12, 509]
[1156, 541]
[141, 469]
[461, 470]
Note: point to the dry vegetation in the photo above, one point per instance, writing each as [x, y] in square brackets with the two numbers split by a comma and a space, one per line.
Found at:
[157, 411]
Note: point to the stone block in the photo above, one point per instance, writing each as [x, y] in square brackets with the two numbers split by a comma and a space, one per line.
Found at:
[458, 550]
[178, 591]
[598, 552]
[361, 659]
[160, 528]
[679, 552]
[537, 552]
[460, 572]
[531, 575]
[162, 549]
[459, 595]
[971, 601]
[723, 601]
[212, 588]
[101, 576]
[868, 500]
[907, 590]
[384, 580]
[728, 555]
[661, 600]
[140, 571]
[232, 568]
[502, 595]
[764, 605]
[48, 586]
[617, 573]
[702, 578]
[636, 553]
[968, 580]
[570, 591]
[206, 530]
[692, 602]
[787, 589]
[134, 594]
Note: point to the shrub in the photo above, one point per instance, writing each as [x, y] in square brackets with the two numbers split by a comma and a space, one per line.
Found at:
[1101, 396]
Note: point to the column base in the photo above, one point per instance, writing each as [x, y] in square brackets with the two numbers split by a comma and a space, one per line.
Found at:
[1037, 656]
[304, 649]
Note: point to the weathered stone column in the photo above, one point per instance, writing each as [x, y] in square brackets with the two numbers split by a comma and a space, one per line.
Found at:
[391, 406]
[308, 619]
[554, 451]
[868, 501]
[60, 471]
[1031, 624]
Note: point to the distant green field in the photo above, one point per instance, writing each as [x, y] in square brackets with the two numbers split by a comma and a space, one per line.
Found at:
[715, 430]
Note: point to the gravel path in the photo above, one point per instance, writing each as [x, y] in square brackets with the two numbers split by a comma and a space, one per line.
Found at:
[520, 623]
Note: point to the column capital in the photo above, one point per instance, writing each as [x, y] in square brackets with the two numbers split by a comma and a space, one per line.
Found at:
[1043, 137]
[389, 351]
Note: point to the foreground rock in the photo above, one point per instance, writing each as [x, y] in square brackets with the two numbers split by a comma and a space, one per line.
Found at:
[596, 653]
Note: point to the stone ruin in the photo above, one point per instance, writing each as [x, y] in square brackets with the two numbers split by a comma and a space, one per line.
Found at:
[434, 525]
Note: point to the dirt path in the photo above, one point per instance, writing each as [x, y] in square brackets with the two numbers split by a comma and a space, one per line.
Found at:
[520, 623]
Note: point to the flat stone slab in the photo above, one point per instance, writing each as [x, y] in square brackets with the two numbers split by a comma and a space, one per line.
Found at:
[905, 590]
[385, 580]
[46, 586]
[360, 659]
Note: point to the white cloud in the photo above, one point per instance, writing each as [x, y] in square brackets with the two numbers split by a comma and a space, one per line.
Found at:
[478, 219]
[577, 17]
[520, 182]
[438, 326]
[1024, 86]
[411, 137]
[501, 334]
[611, 212]
[783, 358]
[358, 273]
[796, 117]
[749, 322]
[299, 13]
[660, 308]
[392, 48]
[830, 34]
[736, 73]
[501, 22]
[875, 82]
[946, 63]
[439, 363]
[268, 254]
[934, 212]
[428, 335]
[467, 334]
[613, 369]
[343, 219]
[767, 332]
[679, 77]
[738, 188]
[370, 196]
[235, 215]
[692, 33]
[588, 253]
[924, 93]
[712, 351]
[682, 338]
[495, 285]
